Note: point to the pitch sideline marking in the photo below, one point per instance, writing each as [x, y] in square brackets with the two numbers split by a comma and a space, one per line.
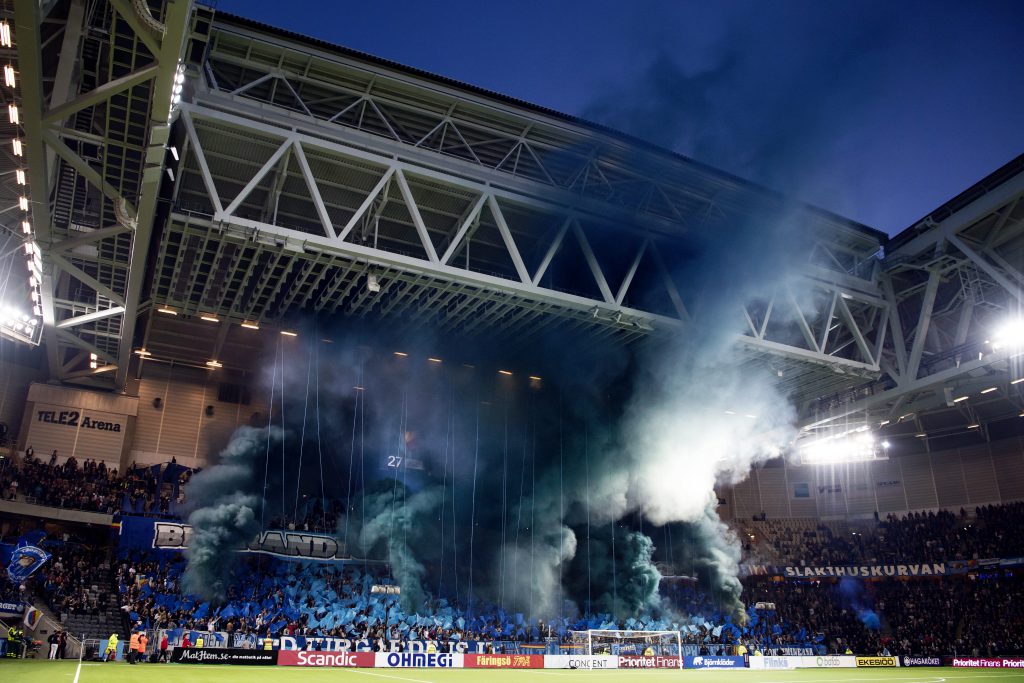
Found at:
[400, 678]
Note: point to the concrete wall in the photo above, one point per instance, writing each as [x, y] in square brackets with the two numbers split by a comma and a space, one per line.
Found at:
[190, 424]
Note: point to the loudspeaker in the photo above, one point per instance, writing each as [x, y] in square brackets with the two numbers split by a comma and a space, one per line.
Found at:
[209, 411]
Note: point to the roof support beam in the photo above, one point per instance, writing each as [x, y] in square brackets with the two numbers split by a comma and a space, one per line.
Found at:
[27, 26]
[510, 243]
[923, 321]
[314, 191]
[172, 44]
[100, 94]
[80, 274]
[1011, 288]
[149, 36]
[90, 317]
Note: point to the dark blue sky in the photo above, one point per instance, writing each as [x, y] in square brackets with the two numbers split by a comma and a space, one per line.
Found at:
[879, 111]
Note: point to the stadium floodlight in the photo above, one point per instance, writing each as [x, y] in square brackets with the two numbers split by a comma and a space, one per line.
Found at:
[854, 445]
[1009, 335]
[19, 326]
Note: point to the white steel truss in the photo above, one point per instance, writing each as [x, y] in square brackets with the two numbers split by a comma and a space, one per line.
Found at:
[95, 194]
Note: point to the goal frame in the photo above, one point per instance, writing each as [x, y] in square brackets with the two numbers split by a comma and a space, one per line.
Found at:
[627, 633]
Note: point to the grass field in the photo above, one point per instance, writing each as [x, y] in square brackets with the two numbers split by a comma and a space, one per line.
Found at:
[64, 672]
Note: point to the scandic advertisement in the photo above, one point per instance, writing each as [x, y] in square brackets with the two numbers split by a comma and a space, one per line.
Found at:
[325, 659]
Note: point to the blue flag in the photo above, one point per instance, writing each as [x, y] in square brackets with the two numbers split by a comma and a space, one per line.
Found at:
[26, 559]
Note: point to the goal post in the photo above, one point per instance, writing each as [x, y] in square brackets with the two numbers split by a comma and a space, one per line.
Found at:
[613, 642]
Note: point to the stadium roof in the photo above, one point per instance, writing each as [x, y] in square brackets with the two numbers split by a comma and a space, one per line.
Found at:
[296, 177]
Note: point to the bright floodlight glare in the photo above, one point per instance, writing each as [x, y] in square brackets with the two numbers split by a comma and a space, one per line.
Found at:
[854, 445]
[1010, 335]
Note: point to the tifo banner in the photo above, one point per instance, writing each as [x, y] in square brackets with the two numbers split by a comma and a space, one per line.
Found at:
[773, 663]
[417, 660]
[503, 661]
[586, 662]
[223, 655]
[710, 662]
[381, 645]
[920, 661]
[988, 662]
[143, 532]
[869, 571]
[326, 659]
[644, 662]
[828, 662]
[878, 661]
[11, 609]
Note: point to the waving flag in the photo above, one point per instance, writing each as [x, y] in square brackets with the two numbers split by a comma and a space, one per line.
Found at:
[27, 557]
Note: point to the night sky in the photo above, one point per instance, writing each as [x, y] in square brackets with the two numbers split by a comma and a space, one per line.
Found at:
[879, 111]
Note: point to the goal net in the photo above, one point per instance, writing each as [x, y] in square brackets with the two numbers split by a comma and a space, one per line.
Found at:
[650, 643]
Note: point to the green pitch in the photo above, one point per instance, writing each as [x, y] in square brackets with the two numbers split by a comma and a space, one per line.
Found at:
[64, 672]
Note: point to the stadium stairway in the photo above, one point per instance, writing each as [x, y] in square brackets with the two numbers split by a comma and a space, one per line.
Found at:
[107, 617]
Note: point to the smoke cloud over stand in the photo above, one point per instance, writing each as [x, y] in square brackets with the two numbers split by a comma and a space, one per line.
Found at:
[227, 501]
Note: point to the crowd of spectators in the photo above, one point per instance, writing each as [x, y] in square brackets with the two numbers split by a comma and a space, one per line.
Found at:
[91, 486]
[978, 613]
[76, 579]
[916, 537]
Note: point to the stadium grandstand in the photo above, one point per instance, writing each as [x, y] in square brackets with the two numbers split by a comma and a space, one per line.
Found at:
[311, 358]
